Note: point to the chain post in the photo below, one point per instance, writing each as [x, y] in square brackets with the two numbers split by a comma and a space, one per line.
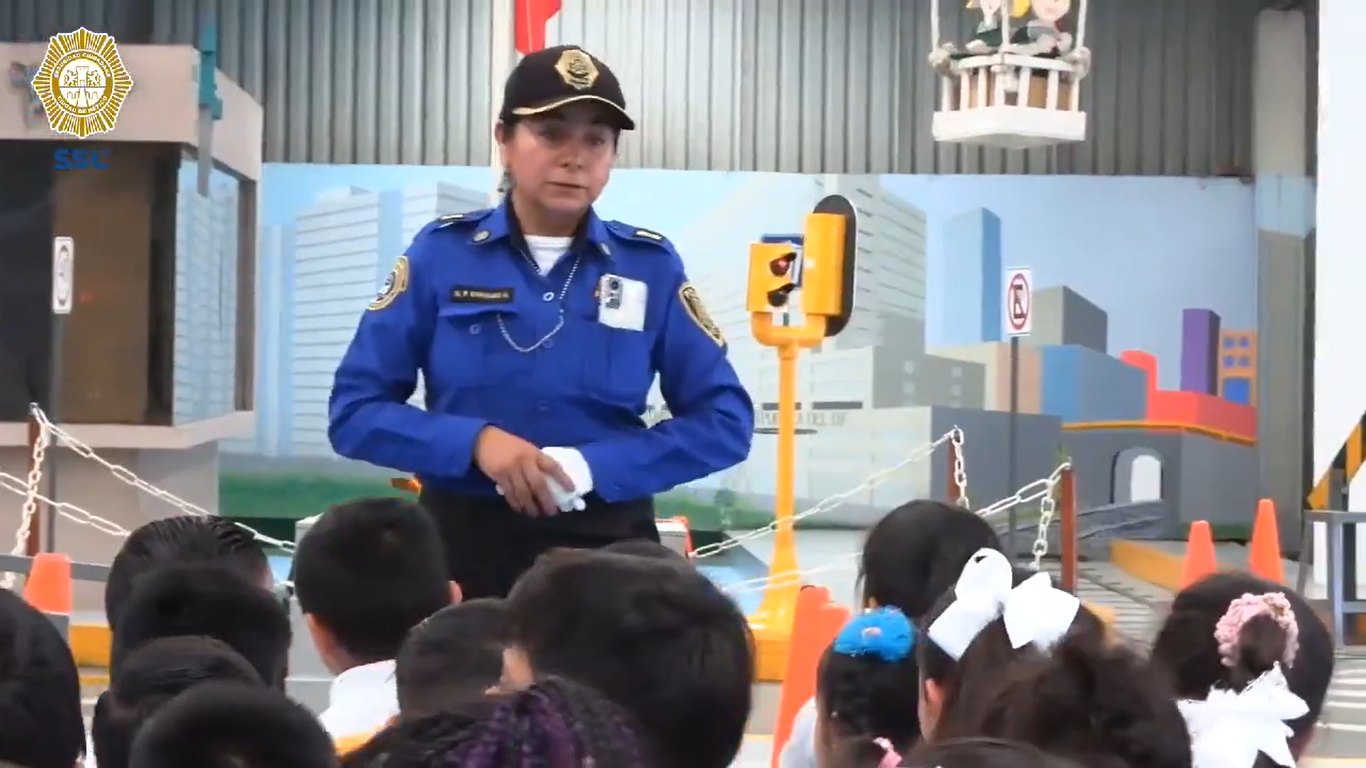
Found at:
[1067, 499]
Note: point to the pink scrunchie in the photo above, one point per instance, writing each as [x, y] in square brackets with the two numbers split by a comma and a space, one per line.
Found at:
[1230, 626]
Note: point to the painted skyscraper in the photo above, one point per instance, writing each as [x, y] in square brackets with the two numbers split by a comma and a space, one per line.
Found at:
[205, 298]
[971, 313]
[1063, 317]
[1200, 351]
[1238, 366]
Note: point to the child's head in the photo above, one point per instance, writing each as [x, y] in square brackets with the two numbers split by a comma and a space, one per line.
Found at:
[644, 548]
[452, 657]
[867, 681]
[184, 539]
[151, 676]
[207, 601]
[916, 551]
[1230, 629]
[367, 572]
[655, 636]
[40, 691]
[230, 725]
[554, 722]
[1006, 655]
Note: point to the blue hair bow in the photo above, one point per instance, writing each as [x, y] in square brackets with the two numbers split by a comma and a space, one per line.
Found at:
[883, 633]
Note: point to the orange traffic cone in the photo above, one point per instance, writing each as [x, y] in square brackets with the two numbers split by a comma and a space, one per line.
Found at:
[1200, 561]
[1264, 552]
[48, 588]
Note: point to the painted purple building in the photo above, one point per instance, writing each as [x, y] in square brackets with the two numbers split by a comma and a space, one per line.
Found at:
[1200, 351]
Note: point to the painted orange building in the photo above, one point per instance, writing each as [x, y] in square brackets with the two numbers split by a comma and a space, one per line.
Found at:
[1192, 409]
[1237, 365]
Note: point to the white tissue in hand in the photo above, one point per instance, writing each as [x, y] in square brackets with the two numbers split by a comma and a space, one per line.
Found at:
[574, 465]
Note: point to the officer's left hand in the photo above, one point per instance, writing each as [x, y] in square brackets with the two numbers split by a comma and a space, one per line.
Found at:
[520, 470]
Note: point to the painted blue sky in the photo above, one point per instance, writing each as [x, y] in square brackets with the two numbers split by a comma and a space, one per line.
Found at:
[1143, 249]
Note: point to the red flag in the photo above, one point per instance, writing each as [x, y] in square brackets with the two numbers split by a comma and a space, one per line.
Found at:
[531, 19]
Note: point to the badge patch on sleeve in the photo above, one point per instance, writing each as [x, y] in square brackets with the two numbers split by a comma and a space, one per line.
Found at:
[394, 285]
[692, 304]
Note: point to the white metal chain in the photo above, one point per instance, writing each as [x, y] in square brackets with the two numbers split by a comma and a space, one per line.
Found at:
[67, 510]
[960, 471]
[127, 476]
[1047, 507]
[1040, 491]
[826, 504]
[30, 510]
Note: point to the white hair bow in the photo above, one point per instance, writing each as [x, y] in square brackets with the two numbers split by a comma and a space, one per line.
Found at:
[1229, 729]
[1034, 612]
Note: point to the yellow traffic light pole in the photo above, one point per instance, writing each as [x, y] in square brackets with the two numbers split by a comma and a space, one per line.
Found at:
[827, 283]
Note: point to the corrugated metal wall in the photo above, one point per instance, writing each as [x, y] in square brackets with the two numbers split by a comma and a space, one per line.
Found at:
[772, 85]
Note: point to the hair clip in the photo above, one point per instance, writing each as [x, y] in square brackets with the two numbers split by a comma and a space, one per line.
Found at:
[890, 757]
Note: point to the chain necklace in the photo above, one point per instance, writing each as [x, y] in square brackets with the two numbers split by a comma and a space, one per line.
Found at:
[559, 321]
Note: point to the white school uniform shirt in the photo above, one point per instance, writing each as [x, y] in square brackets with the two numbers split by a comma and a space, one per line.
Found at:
[362, 700]
[89, 761]
[800, 750]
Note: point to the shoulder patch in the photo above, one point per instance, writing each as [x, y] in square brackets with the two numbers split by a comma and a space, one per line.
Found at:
[394, 285]
[697, 312]
[628, 232]
[454, 218]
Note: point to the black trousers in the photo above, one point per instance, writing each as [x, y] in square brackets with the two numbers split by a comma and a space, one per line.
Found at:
[489, 546]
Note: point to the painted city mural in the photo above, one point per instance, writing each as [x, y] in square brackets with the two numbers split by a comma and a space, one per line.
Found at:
[1141, 366]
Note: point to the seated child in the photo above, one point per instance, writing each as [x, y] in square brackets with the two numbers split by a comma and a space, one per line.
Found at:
[1006, 655]
[1251, 663]
[866, 687]
[186, 539]
[152, 675]
[40, 691]
[553, 723]
[660, 640]
[230, 725]
[451, 659]
[205, 601]
[367, 572]
[910, 558]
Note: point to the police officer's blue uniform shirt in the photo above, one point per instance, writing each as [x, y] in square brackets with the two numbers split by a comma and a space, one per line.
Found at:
[584, 387]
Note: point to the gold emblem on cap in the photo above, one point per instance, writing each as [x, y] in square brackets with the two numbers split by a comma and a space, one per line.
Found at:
[577, 69]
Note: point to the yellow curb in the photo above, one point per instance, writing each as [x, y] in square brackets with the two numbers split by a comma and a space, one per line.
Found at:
[90, 644]
[1152, 564]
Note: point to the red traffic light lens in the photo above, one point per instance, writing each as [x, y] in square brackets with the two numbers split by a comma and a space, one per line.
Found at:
[780, 266]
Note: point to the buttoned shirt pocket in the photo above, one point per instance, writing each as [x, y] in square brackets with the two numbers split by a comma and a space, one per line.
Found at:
[616, 362]
[468, 349]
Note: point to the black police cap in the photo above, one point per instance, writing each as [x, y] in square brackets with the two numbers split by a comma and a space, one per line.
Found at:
[550, 78]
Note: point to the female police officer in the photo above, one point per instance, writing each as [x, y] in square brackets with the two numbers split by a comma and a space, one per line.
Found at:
[537, 325]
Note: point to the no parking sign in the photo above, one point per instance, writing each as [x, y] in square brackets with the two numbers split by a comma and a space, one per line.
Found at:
[1019, 301]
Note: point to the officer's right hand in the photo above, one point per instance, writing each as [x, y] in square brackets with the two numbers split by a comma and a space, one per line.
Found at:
[520, 470]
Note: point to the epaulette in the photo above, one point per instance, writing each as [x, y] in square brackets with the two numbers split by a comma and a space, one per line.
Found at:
[460, 218]
[636, 233]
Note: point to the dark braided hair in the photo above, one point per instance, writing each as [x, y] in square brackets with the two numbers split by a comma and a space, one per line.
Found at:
[555, 722]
